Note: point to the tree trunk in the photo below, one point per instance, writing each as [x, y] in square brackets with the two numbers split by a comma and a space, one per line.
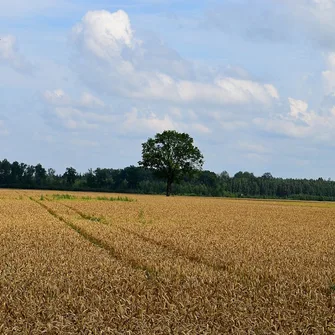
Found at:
[168, 187]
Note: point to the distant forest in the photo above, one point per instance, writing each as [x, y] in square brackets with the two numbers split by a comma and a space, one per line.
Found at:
[133, 179]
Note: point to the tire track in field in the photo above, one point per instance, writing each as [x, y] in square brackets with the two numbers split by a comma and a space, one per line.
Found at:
[149, 272]
[175, 251]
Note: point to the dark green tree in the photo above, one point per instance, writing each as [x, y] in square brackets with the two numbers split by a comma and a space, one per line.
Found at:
[28, 175]
[70, 175]
[51, 176]
[171, 155]
[5, 172]
[40, 174]
[16, 173]
[90, 178]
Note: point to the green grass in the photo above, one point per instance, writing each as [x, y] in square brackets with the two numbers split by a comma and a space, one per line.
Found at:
[115, 199]
[93, 218]
[88, 198]
[63, 197]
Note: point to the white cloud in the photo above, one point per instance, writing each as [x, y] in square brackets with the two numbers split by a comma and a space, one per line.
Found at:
[73, 119]
[329, 81]
[11, 56]
[146, 122]
[67, 112]
[90, 101]
[246, 90]
[280, 126]
[104, 34]
[137, 122]
[254, 148]
[119, 63]
[330, 60]
[200, 128]
[300, 122]
[57, 97]
[89, 114]
[316, 20]
[298, 110]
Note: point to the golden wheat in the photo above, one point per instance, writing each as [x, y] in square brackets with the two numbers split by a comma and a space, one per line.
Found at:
[162, 265]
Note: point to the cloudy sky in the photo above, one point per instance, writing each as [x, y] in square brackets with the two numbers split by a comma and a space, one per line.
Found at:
[84, 83]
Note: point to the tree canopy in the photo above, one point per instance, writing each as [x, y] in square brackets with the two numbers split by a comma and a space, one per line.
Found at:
[137, 179]
[171, 155]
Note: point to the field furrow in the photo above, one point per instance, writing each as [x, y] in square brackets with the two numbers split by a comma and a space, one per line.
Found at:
[110, 264]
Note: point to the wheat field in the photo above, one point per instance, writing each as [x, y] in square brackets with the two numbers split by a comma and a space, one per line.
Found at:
[88, 263]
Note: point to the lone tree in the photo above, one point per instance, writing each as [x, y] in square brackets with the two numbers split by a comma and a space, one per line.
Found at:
[171, 155]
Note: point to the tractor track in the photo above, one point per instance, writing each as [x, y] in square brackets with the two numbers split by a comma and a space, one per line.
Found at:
[133, 263]
[175, 251]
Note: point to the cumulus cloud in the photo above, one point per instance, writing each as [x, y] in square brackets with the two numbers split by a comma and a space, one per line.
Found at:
[85, 113]
[300, 122]
[73, 119]
[298, 110]
[282, 126]
[112, 58]
[104, 34]
[11, 56]
[89, 114]
[147, 122]
[58, 97]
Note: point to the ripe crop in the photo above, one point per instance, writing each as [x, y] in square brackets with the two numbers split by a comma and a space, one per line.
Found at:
[96, 264]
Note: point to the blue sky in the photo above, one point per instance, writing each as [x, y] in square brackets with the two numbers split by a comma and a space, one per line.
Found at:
[84, 83]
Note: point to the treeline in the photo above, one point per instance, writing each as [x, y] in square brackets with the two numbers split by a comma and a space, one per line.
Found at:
[139, 180]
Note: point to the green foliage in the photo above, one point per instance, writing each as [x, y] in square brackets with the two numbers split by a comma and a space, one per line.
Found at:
[146, 181]
[93, 218]
[70, 176]
[64, 197]
[171, 155]
[88, 198]
[118, 198]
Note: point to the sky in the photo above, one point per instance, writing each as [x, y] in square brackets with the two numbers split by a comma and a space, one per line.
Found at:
[84, 83]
